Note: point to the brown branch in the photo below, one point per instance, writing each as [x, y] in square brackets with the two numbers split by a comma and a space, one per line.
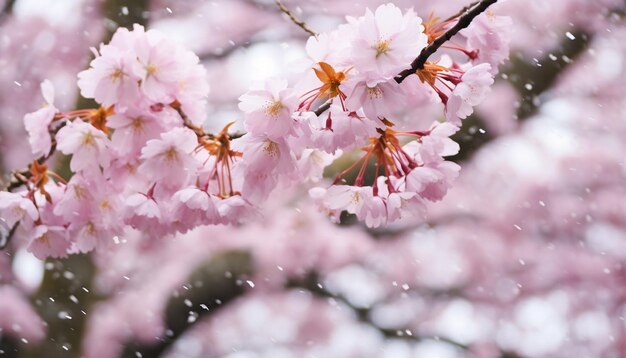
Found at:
[199, 131]
[464, 21]
[294, 19]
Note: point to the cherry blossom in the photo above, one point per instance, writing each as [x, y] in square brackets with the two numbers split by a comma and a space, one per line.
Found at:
[195, 207]
[49, 242]
[269, 110]
[169, 160]
[379, 99]
[386, 40]
[143, 212]
[133, 129]
[84, 142]
[110, 79]
[488, 39]
[471, 91]
[37, 123]
[15, 207]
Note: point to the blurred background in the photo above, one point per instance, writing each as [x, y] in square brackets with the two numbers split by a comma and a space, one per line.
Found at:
[523, 258]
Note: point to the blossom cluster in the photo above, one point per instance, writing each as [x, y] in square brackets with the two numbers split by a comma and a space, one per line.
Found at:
[142, 160]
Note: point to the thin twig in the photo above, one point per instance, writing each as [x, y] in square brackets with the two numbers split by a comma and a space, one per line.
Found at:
[199, 131]
[294, 19]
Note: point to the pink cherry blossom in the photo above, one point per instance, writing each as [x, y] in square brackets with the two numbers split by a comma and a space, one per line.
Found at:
[436, 145]
[143, 205]
[235, 209]
[55, 192]
[99, 229]
[85, 143]
[312, 162]
[193, 88]
[387, 41]
[432, 181]
[262, 154]
[339, 129]
[169, 160]
[15, 207]
[488, 36]
[194, 207]
[110, 79]
[405, 204]
[49, 241]
[158, 65]
[133, 129]
[332, 47]
[92, 235]
[77, 199]
[352, 199]
[141, 65]
[374, 212]
[379, 99]
[264, 162]
[91, 208]
[471, 91]
[269, 109]
[143, 213]
[37, 123]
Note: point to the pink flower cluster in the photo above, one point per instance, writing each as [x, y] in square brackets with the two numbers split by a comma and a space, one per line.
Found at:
[143, 161]
[355, 74]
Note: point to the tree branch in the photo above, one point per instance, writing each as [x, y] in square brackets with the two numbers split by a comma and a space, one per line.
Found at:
[294, 19]
[464, 21]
